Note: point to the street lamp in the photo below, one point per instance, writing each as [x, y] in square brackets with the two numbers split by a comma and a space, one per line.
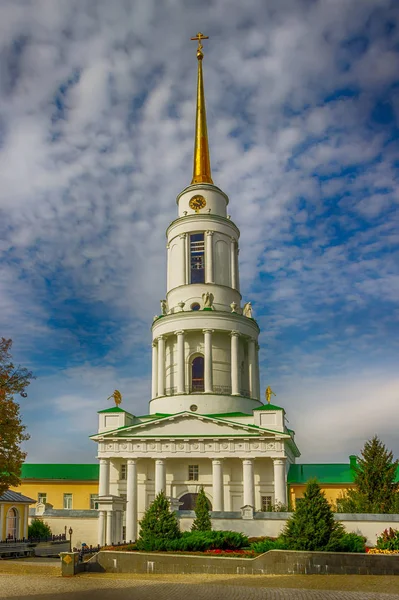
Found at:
[70, 538]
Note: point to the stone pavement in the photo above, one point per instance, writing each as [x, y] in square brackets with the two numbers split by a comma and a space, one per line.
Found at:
[31, 587]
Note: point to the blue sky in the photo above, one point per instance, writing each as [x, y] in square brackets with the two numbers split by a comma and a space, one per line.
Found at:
[96, 140]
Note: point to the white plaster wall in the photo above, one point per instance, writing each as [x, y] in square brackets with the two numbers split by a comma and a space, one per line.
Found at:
[84, 529]
[216, 200]
[223, 297]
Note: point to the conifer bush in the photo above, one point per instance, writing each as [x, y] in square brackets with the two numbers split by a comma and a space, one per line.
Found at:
[39, 529]
[202, 521]
[312, 526]
[158, 526]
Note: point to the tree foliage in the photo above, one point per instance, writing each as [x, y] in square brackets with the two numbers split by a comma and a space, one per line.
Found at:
[13, 380]
[312, 526]
[39, 529]
[158, 523]
[375, 473]
[202, 521]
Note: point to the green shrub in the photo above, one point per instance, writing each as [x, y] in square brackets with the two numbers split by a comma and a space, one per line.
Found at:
[195, 541]
[312, 526]
[202, 521]
[347, 542]
[158, 525]
[268, 544]
[39, 529]
[388, 540]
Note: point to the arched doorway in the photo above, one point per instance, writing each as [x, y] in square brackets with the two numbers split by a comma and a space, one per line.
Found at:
[189, 501]
[12, 524]
[197, 374]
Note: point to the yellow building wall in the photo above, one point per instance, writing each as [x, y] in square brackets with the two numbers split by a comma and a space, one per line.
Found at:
[21, 508]
[55, 491]
[332, 492]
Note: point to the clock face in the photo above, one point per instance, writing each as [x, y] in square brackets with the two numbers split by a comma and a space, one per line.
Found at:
[197, 202]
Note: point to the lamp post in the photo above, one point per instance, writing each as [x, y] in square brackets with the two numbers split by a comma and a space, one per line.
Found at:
[70, 538]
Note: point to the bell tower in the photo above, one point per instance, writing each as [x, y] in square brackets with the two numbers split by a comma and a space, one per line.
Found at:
[205, 344]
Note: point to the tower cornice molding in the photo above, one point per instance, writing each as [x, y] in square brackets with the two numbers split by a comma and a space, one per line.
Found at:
[202, 186]
[206, 218]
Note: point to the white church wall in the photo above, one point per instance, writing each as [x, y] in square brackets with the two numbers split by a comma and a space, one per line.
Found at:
[222, 260]
[216, 200]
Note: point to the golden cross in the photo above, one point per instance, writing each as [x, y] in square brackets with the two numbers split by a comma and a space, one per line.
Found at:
[200, 36]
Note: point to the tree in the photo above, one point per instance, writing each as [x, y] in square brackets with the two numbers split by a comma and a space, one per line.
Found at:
[312, 526]
[202, 521]
[376, 488]
[158, 523]
[39, 529]
[13, 380]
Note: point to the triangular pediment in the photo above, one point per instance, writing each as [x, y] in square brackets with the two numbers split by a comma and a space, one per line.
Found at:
[187, 424]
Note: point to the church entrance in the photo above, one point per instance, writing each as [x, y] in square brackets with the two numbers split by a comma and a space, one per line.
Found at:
[197, 375]
[189, 502]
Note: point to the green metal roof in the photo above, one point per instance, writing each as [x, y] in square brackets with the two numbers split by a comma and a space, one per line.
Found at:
[269, 407]
[324, 473]
[114, 409]
[70, 472]
[228, 415]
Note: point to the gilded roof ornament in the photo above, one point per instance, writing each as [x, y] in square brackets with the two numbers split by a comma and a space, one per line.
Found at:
[117, 396]
[202, 163]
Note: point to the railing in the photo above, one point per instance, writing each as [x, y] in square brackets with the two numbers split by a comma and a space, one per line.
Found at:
[51, 538]
[197, 387]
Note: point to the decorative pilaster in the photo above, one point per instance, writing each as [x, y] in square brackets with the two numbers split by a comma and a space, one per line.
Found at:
[154, 381]
[209, 257]
[248, 481]
[180, 361]
[217, 484]
[183, 242]
[161, 365]
[252, 368]
[26, 515]
[233, 262]
[131, 498]
[109, 528]
[160, 476]
[235, 383]
[257, 376]
[280, 481]
[103, 484]
[208, 383]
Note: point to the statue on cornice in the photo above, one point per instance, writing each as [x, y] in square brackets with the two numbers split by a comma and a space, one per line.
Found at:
[164, 307]
[247, 310]
[207, 299]
[269, 393]
[117, 396]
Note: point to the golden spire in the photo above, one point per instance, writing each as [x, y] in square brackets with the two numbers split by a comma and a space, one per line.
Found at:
[202, 163]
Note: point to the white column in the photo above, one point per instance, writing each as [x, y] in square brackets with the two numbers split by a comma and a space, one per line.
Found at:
[280, 481]
[233, 262]
[235, 382]
[160, 476]
[154, 381]
[131, 500]
[108, 535]
[257, 375]
[3, 531]
[208, 383]
[180, 361]
[26, 516]
[101, 527]
[248, 480]
[209, 270]
[217, 484]
[183, 274]
[161, 365]
[103, 489]
[20, 532]
[252, 368]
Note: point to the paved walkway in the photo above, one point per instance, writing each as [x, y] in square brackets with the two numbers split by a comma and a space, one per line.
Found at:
[31, 587]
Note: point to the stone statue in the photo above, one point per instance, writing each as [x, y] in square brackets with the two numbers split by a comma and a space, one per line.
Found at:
[117, 396]
[233, 307]
[247, 310]
[269, 393]
[207, 299]
[164, 307]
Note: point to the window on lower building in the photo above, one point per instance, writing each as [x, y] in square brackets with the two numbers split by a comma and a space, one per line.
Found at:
[42, 497]
[94, 501]
[68, 501]
[266, 503]
[193, 472]
[123, 472]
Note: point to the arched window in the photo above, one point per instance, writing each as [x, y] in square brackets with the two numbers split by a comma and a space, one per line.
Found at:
[12, 523]
[188, 502]
[197, 374]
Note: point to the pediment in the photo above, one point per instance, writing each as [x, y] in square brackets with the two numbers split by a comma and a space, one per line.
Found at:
[188, 424]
